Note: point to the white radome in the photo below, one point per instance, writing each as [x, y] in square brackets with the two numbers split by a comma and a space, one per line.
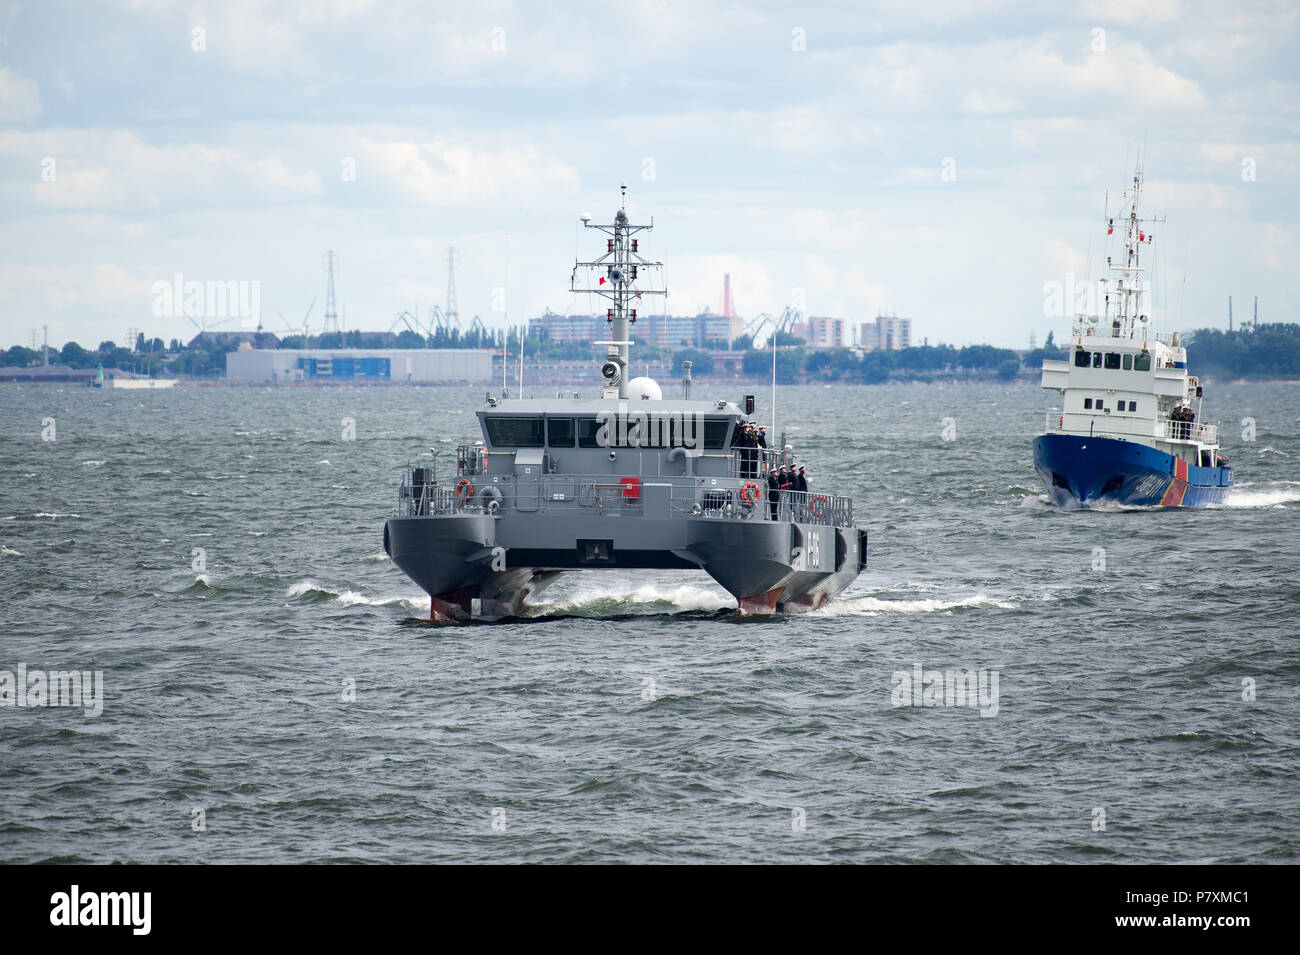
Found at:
[648, 388]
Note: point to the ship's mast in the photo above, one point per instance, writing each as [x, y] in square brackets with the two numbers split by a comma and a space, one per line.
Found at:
[613, 276]
[1128, 315]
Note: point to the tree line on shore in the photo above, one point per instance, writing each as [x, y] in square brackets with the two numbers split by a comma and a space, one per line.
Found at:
[1266, 351]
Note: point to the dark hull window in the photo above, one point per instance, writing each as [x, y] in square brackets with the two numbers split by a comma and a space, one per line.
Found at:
[1081, 359]
[1128, 362]
[1142, 362]
[1112, 360]
[506, 432]
[1096, 359]
[559, 432]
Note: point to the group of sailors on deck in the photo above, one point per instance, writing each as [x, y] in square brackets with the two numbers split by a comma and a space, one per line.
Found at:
[783, 480]
[752, 442]
[1183, 417]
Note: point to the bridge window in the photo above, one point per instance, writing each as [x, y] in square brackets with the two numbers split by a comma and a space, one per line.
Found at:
[1128, 362]
[1112, 360]
[715, 433]
[1101, 405]
[587, 430]
[1132, 406]
[510, 432]
[1096, 359]
[1087, 403]
[1081, 359]
[1142, 362]
[559, 432]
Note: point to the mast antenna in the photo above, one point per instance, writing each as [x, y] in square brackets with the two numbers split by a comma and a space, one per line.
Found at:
[613, 276]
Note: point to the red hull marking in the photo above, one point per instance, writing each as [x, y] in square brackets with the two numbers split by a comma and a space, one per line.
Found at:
[452, 606]
[1174, 494]
[761, 603]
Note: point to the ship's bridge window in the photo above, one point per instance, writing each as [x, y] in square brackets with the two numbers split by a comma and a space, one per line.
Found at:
[1142, 362]
[1101, 405]
[559, 432]
[587, 429]
[1087, 404]
[1081, 359]
[1096, 359]
[512, 432]
[1112, 360]
[1128, 362]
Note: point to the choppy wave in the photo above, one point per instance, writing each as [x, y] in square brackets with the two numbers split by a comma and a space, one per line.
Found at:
[310, 591]
[1287, 492]
[873, 606]
[595, 601]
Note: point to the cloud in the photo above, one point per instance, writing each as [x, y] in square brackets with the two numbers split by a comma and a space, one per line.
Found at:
[20, 98]
[116, 169]
[1131, 11]
[442, 173]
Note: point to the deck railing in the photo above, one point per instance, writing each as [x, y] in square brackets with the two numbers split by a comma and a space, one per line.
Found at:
[1165, 428]
[471, 459]
[588, 494]
[755, 462]
[1188, 431]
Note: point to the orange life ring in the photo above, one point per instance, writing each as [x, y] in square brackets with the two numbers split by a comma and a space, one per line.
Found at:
[817, 506]
[465, 488]
[751, 492]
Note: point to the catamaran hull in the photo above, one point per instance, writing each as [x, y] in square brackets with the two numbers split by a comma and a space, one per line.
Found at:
[484, 566]
[1082, 471]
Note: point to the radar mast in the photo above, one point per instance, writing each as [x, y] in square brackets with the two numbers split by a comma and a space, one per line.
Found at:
[613, 276]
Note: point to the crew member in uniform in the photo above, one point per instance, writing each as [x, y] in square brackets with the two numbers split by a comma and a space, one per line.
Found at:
[773, 494]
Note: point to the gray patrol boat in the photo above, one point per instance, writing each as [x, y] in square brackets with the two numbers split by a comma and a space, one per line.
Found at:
[626, 481]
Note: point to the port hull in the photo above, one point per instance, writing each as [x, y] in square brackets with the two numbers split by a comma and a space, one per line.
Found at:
[1081, 471]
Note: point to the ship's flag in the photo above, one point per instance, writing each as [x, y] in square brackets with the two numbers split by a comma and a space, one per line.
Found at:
[1142, 236]
[602, 280]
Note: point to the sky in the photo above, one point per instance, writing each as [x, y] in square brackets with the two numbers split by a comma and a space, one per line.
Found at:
[943, 161]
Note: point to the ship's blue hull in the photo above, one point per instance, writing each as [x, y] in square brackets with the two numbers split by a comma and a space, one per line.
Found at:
[1082, 471]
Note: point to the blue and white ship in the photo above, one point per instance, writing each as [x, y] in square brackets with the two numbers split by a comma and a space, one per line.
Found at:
[1129, 430]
